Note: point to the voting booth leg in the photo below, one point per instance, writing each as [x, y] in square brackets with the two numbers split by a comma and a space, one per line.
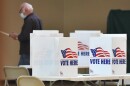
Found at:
[90, 83]
[123, 82]
[85, 84]
[51, 83]
[99, 82]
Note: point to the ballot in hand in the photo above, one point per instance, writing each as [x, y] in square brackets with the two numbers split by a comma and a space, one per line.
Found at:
[13, 35]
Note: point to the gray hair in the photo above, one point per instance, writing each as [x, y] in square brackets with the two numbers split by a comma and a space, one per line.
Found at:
[27, 6]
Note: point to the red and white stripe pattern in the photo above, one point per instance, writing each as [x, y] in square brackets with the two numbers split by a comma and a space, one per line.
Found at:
[70, 53]
[119, 53]
[82, 46]
[101, 53]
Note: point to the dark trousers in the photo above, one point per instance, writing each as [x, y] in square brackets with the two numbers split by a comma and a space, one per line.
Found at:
[25, 60]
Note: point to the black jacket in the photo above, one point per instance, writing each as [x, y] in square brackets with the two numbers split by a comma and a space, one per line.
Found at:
[31, 22]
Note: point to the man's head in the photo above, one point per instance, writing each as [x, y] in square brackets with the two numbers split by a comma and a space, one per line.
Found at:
[25, 9]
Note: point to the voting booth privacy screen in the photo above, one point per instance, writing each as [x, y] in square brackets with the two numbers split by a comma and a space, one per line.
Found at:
[51, 54]
[108, 55]
[83, 37]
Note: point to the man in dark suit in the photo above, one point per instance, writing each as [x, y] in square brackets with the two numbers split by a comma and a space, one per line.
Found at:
[31, 22]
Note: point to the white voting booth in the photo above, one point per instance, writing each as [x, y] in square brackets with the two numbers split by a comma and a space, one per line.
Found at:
[53, 55]
[67, 54]
[83, 37]
[48, 33]
[108, 54]
[41, 33]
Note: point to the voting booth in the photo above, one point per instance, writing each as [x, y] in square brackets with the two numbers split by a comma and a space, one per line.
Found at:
[53, 55]
[48, 33]
[83, 37]
[108, 54]
[67, 54]
[42, 33]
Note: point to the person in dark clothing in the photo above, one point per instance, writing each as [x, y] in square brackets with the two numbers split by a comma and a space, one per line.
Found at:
[31, 22]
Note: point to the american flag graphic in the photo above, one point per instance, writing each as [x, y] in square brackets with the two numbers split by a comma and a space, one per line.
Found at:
[68, 53]
[119, 52]
[101, 53]
[82, 46]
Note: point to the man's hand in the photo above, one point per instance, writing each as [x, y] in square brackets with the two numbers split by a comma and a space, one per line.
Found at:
[14, 35]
